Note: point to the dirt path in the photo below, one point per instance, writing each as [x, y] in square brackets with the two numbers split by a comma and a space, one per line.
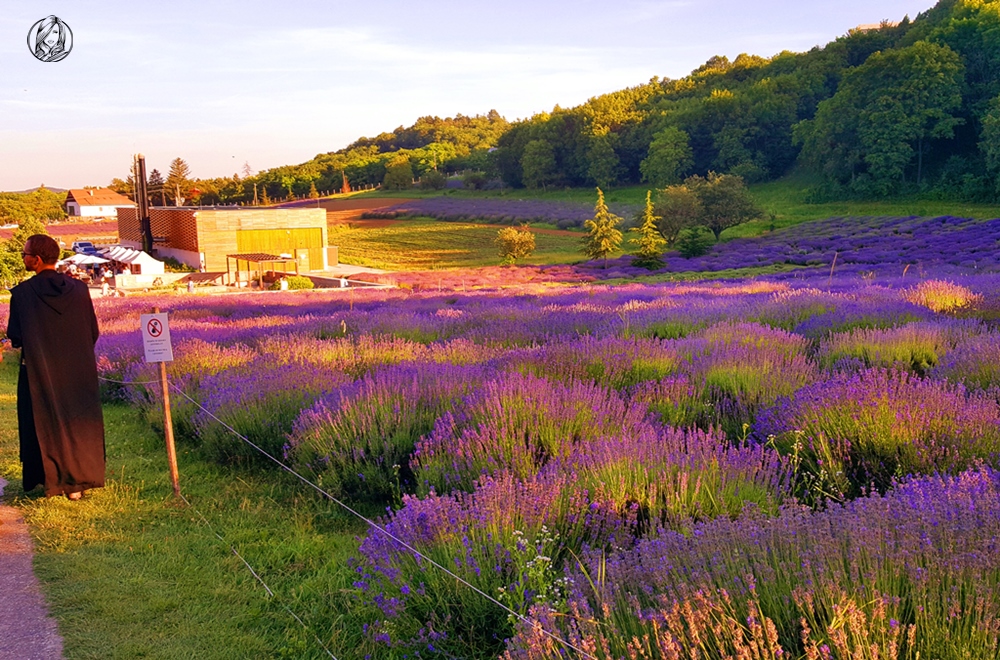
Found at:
[26, 631]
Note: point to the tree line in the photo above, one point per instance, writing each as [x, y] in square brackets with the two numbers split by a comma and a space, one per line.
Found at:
[40, 204]
[429, 149]
[901, 108]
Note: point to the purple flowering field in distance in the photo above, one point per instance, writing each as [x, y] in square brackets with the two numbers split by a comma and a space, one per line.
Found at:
[802, 465]
[495, 211]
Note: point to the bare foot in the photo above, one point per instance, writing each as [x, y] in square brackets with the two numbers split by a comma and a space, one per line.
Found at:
[74, 496]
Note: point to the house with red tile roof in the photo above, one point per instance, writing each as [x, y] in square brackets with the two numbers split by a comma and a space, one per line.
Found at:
[95, 203]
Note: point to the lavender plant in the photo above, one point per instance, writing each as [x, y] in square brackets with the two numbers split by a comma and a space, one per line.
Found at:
[914, 573]
[358, 441]
[518, 423]
[859, 431]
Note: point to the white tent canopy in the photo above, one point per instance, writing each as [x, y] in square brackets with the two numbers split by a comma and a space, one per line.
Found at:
[147, 265]
[84, 260]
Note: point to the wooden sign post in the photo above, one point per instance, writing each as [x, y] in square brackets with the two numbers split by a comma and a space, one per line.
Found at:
[156, 344]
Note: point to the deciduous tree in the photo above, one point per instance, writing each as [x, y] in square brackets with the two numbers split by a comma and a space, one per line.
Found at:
[989, 143]
[11, 264]
[398, 174]
[677, 208]
[725, 201]
[538, 164]
[884, 114]
[668, 157]
[603, 166]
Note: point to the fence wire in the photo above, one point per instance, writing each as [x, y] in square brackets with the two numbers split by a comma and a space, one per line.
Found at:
[369, 522]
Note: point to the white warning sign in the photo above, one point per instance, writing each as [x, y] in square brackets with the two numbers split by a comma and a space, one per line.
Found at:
[156, 337]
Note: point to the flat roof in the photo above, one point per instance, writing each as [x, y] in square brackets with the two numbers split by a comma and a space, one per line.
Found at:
[259, 257]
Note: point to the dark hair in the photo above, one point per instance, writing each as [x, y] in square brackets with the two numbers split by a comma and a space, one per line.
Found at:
[44, 247]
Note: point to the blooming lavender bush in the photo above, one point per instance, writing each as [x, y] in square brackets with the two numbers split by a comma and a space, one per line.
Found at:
[509, 538]
[856, 431]
[975, 362]
[741, 367]
[555, 433]
[358, 440]
[519, 423]
[261, 409]
[514, 536]
[609, 361]
[942, 296]
[915, 346]
[915, 573]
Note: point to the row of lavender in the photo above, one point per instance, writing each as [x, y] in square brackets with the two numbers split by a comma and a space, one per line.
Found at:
[542, 444]
[898, 248]
[508, 211]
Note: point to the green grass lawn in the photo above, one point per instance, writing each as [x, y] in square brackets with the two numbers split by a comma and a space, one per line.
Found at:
[129, 573]
[426, 244]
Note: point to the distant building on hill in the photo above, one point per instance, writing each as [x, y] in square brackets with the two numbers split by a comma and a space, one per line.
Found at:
[95, 203]
[203, 238]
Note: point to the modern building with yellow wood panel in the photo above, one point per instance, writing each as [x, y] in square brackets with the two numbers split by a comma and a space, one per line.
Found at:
[203, 237]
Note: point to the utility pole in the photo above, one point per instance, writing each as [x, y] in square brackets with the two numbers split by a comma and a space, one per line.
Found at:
[142, 202]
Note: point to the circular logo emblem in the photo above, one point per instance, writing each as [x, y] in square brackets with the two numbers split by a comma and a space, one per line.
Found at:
[50, 39]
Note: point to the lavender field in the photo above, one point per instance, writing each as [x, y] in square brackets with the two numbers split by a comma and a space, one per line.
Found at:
[494, 211]
[787, 467]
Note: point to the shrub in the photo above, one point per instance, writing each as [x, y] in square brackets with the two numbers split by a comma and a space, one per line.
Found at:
[915, 346]
[857, 431]
[474, 180]
[942, 296]
[912, 574]
[359, 441]
[514, 536]
[745, 366]
[509, 538]
[518, 423]
[975, 362]
[513, 244]
[172, 265]
[610, 362]
[297, 282]
[432, 180]
[261, 401]
[694, 242]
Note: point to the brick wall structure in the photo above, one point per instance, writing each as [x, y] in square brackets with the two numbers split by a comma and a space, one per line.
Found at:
[215, 233]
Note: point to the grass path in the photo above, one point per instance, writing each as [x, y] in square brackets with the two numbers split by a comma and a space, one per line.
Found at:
[128, 573]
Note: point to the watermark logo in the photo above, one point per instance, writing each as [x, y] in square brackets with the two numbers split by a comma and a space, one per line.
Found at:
[50, 39]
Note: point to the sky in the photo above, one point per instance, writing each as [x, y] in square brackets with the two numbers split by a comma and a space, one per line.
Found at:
[223, 84]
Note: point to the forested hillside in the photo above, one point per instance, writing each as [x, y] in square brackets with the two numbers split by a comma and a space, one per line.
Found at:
[904, 107]
[899, 109]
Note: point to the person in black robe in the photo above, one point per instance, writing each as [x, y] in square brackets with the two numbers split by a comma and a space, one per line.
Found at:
[59, 416]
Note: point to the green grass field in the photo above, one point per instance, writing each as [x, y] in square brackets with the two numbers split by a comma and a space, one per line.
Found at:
[129, 573]
[426, 244]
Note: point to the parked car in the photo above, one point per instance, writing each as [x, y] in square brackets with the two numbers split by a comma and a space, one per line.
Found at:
[84, 247]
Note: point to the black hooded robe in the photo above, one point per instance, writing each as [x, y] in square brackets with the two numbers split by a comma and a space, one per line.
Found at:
[59, 415]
